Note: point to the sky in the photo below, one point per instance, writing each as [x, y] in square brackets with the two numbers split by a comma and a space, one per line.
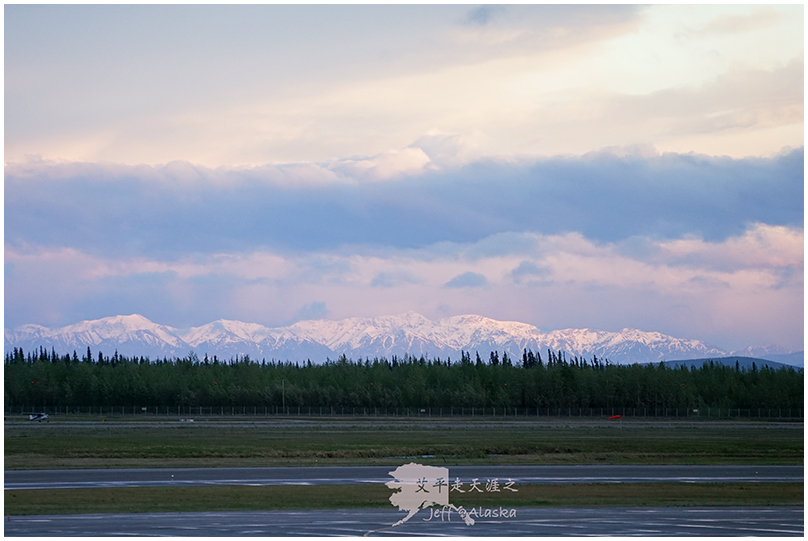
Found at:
[589, 166]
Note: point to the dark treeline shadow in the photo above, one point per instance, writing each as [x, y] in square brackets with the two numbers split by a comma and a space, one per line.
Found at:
[553, 380]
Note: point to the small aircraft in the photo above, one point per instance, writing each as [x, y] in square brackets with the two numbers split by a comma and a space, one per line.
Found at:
[37, 416]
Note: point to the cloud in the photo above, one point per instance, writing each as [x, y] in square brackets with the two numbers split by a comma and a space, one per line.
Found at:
[761, 17]
[395, 278]
[483, 15]
[501, 244]
[313, 310]
[467, 279]
[323, 269]
[703, 282]
[169, 212]
[375, 77]
[531, 81]
[390, 164]
[550, 27]
[736, 100]
[761, 246]
[741, 290]
[528, 269]
[455, 149]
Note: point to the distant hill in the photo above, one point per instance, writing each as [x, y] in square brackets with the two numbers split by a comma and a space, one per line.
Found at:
[744, 363]
[794, 359]
[771, 353]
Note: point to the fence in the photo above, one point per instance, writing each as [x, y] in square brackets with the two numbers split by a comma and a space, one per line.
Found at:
[339, 411]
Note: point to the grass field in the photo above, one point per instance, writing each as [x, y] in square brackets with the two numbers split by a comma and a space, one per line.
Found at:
[128, 442]
[246, 498]
[89, 442]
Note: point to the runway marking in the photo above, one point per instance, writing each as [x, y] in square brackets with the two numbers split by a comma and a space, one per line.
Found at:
[34, 485]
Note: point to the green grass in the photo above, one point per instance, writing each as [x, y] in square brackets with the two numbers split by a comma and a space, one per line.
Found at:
[119, 442]
[245, 498]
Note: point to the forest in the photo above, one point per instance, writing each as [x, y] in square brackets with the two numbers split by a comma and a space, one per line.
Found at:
[46, 379]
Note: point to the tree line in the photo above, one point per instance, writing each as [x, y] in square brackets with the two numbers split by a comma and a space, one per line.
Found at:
[47, 379]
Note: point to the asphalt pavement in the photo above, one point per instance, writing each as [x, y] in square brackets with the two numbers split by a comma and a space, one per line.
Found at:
[777, 521]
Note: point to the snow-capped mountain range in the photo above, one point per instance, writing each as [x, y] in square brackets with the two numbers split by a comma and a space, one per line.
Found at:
[408, 333]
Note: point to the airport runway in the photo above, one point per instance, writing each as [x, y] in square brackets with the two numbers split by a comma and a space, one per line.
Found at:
[350, 475]
[612, 521]
[403, 423]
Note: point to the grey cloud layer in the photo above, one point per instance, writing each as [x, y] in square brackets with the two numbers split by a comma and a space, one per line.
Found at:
[179, 209]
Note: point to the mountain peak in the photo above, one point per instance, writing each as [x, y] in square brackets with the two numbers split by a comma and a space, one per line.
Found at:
[383, 336]
[114, 325]
[132, 320]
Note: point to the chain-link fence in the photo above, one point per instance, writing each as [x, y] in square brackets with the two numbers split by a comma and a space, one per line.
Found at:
[350, 411]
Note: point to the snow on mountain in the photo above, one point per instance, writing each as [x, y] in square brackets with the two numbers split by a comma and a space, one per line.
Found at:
[129, 335]
[408, 333]
[631, 344]
[380, 336]
[773, 353]
[229, 339]
[761, 352]
[122, 329]
[226, 331]
[26, 332]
